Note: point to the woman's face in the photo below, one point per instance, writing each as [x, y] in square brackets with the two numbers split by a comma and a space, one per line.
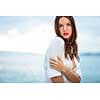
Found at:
[65, 27]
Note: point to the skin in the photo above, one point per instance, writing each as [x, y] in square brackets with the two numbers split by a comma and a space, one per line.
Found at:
[65, 29]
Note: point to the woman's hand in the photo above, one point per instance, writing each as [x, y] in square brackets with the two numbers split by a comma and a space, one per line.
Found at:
[57, 64]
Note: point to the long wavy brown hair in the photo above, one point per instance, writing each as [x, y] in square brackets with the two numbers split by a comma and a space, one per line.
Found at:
[71, 47]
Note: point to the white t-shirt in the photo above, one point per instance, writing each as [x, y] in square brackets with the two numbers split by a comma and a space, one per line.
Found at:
[56, 48]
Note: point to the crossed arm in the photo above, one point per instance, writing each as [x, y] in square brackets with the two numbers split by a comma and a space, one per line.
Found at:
[69, 73]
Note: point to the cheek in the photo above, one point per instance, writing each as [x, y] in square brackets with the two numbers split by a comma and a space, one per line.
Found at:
[70, 29]
[70, 35]
[61, 32]
[70, 32]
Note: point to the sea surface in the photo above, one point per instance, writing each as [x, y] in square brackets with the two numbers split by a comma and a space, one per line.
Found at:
[18, 67]
[90, 67]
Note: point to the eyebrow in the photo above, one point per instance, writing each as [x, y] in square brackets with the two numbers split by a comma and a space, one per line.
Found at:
[66, 23]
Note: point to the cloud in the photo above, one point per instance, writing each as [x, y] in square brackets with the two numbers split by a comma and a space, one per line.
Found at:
[88, 43]
[38, 37]
[35, 41]
[20, 23]
[12, 32]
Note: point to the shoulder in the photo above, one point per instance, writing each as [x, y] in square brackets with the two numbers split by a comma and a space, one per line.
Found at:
[56, 44]
[58, 40]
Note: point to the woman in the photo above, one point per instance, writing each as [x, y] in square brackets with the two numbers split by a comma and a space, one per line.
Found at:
[62, 59]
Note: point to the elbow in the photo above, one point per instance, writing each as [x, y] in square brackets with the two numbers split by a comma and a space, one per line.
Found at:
[57, 79]
[77, 80]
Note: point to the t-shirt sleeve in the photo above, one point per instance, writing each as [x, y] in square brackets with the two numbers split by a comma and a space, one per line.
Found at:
[56, 48]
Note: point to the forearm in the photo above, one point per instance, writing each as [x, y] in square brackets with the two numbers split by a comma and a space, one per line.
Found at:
[71, 75]
[57, 79]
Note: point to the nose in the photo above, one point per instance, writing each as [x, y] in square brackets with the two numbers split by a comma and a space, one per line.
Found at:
[64, 27]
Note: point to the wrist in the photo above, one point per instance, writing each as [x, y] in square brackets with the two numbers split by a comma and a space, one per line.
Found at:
[64, 69]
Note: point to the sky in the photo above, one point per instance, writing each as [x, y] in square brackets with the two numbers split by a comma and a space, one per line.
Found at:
[34, 33]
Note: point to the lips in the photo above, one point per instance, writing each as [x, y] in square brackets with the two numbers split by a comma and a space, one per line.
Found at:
[65, 34]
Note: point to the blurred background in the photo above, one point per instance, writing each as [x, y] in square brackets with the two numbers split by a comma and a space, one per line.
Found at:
[25, 39]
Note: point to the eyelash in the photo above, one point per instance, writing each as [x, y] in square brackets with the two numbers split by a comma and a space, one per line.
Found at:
[60, 25]
[68, 24]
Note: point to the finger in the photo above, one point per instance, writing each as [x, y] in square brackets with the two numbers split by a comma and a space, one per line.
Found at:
[59, 58]
[52, 62]
[52, 66]
[51, 59]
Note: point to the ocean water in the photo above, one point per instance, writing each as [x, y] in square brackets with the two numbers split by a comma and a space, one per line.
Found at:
[18, 67]
[28, 68]
[90, 67]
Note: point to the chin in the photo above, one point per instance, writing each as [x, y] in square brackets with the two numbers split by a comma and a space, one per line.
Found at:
[65, 37]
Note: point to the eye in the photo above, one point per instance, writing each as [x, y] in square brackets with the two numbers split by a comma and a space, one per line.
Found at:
[68, 24]
[60, 25]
